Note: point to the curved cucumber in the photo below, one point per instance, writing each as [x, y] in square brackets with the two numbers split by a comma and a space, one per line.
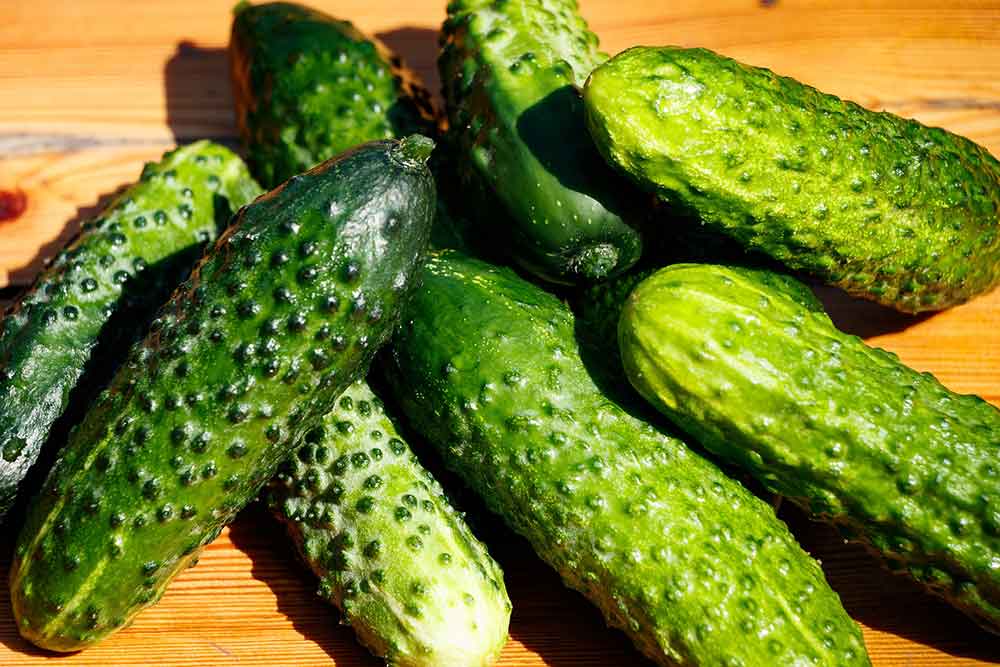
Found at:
[276, 321]
[845, 430]
[105, 286]
[692, 566]
[509, 71]
[884, 207]
[308, 87]
[390, 552]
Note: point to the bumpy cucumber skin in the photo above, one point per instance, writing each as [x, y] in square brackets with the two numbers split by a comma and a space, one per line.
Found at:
[509, 71]
[844, 430]
[691, 565]
[599, 307]
[881, 206]
[295, 72]
[370, 521]
[282, 315]
[308, 86]
[295, 75]
[123, 264]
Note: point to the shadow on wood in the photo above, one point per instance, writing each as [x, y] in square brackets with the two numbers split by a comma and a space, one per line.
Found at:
[885, 601]
[419, 49]
[274, 562]
[560, 625]
[199, 95]
[26, 274]
[864, 318]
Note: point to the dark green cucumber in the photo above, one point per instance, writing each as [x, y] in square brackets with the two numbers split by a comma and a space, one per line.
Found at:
[509, 71]
[882, 206]
[390, 552]
[105, 285]
[692, 566]
[308, 86]
[276, 321]
[845, 430]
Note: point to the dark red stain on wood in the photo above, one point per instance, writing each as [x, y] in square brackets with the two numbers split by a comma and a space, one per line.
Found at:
[12, 204]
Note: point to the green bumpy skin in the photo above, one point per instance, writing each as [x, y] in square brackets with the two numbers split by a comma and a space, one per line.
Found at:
[692, 566]
[276, 321]
[407, 603]
[844, 430]
[509, 71]
[377, 529]
[105, 286]
[881, 206]
[599, 307]
[308, 87]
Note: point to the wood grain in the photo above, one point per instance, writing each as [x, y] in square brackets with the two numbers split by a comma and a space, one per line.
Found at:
[90, 90]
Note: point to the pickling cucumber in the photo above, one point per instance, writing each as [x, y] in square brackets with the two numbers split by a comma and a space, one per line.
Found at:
[70, 330]
[691, 565]
[533, 178]
[308, 86]
[844, 430]
[281, 316]
[377, 529]
[882, 206]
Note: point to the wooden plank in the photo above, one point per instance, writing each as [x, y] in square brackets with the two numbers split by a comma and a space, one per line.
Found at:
[63, 89]
[91, 90]
[248, 603]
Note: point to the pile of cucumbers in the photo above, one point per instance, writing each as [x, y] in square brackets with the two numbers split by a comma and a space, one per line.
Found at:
[506, 288]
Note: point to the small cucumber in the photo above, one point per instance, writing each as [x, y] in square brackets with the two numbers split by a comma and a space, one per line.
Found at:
[411, 579]
[845, 430]
[882, 206]
[509, 71]
[308, 86]
[96, 297]
[691, 565]
[276, 321]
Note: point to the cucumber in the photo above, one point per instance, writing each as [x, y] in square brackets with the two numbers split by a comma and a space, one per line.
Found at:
[692, 566]
[881, 206]
[599, 307]
[308, 86]
[390, 552]
[276, 321]
[105, 286]
[842, 429]
[509, 71]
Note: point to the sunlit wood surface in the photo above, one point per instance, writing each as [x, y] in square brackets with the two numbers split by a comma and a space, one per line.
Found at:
[89, 90]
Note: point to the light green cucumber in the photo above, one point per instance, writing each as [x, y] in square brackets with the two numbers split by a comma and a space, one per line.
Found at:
[881, 206]
[691, 565]
[848, 432]
[417, 587]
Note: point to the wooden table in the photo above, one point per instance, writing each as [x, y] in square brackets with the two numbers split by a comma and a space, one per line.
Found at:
[91, 89]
